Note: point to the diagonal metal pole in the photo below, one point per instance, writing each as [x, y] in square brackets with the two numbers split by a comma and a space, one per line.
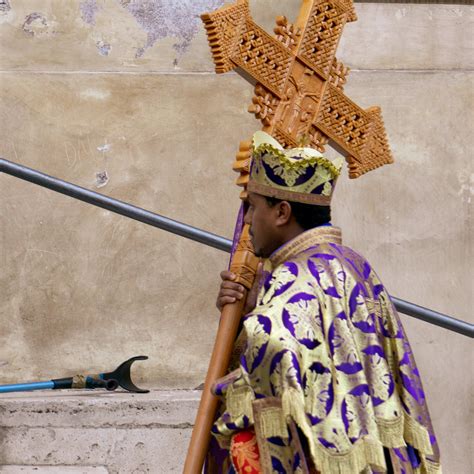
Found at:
[114, 205]
[198, 235]
[433, 317]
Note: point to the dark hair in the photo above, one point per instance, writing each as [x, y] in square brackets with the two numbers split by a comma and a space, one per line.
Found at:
[306, 215]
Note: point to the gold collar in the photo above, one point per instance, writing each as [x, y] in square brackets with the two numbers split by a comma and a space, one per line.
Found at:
[305, 240]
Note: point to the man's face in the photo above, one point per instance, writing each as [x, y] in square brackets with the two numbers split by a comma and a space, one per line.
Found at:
[261, 217]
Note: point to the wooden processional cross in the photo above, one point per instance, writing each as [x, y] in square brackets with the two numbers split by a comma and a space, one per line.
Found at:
[299, 99]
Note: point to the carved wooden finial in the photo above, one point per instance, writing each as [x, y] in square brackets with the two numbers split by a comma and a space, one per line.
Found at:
[299, 82]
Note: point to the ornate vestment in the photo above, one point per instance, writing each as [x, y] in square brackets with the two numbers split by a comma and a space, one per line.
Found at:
[323, 372]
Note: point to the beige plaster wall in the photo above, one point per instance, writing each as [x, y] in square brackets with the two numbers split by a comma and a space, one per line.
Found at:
[103, 86]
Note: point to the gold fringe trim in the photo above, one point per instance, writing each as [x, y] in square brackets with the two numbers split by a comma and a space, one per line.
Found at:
[367, 451]
[239, 402]
[273, 423]
[430, 467]
[396, 432]
[391, 432]
[416, 435]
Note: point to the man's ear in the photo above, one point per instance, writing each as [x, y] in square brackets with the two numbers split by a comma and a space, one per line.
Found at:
[283, 213]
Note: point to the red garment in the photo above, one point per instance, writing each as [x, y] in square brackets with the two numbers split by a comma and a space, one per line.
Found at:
[244, 453]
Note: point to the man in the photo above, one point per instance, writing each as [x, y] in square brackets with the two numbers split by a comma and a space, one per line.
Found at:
[324, 379]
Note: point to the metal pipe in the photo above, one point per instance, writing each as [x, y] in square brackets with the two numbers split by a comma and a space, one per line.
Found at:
[114, 205]
[198, 235]
[433, 317]
[26, 387]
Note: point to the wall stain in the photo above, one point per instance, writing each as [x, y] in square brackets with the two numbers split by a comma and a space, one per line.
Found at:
[168, 18]
[35, 24]
[4, 7]
[466, 191]
[104, 148]
[89, 10]
[101, 179]
[103, 48]
[159, 19]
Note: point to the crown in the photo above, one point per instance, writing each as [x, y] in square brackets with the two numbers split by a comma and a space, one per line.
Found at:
[297, 175]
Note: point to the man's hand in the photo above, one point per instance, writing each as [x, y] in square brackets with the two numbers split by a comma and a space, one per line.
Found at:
[230, 291]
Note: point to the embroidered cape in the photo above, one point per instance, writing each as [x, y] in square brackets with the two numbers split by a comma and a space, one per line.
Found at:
[325, 374]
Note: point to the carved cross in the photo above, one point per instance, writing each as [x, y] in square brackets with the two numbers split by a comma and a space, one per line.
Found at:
[299, 82]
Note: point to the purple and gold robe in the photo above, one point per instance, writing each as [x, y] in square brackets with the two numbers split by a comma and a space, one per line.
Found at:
[324, 373]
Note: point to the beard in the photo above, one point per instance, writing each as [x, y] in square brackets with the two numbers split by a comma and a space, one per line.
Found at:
[256, 250]
[261, 253]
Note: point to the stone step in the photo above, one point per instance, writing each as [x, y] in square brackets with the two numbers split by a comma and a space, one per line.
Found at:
[52, 470]
[92, 431]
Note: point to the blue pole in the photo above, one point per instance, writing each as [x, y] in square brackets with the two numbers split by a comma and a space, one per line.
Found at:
[25, 387]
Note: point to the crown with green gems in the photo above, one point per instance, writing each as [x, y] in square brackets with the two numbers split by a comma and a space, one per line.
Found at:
[298, 174]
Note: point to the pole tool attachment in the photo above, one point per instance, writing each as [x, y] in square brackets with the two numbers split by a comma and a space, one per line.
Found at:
[121, 376]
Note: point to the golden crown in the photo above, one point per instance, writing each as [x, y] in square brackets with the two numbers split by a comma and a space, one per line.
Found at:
[298, 174]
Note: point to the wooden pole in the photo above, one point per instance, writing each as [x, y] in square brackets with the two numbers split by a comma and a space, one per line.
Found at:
[198, 447]
[244, 265]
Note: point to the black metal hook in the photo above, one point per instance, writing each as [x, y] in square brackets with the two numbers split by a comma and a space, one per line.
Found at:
[123, 377]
